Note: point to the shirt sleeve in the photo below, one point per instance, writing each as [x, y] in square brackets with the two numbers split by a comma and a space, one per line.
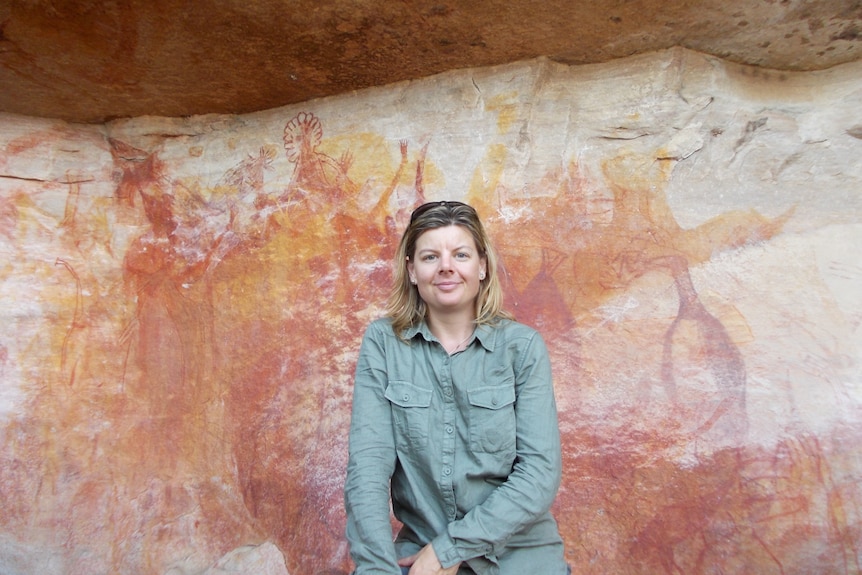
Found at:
[370, 464]
[530, 489]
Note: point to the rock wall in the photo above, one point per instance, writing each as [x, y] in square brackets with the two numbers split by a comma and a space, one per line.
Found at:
[183, 301]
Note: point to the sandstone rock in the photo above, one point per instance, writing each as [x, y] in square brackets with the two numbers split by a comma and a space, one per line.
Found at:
[263, 559]
[89, 62]
[184, 297]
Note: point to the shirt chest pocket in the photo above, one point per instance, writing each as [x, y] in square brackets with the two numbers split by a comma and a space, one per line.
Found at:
[492, 417]
[411, 406]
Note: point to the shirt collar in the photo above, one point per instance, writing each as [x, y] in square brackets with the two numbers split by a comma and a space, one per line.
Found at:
[486, 334]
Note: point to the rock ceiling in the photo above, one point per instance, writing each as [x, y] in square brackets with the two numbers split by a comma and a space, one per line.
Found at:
[90, 60]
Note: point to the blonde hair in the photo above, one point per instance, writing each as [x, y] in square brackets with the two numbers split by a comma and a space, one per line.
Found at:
[405, 308]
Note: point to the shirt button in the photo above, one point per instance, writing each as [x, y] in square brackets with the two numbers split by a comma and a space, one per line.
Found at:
[494, 401]
[447, 471]
[449, 429]
[406, 397]
[447, 391]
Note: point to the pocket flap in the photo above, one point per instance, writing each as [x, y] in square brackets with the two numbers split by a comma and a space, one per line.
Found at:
[493, 397]
[405, 394]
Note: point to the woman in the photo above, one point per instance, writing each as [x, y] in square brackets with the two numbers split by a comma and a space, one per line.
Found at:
[453, 409]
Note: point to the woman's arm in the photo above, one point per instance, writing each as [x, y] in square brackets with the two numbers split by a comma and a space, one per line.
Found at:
[370, 464]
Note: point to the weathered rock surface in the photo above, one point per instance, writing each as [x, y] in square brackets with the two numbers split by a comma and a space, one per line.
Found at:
[88, 61]
[264, 559]
[183, 301]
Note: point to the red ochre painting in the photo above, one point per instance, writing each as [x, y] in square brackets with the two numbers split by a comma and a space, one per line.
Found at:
[185, 384]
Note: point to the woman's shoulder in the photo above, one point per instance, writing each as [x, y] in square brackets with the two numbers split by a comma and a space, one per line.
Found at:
[380, 326]
[383, 328]
[510, 329]
[515, 327]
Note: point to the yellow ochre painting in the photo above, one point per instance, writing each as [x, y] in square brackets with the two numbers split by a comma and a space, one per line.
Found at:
[183, 302]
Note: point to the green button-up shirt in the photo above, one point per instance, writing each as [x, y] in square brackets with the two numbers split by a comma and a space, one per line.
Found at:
[468, 444]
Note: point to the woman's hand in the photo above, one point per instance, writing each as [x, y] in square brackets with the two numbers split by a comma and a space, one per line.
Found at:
[425, 563]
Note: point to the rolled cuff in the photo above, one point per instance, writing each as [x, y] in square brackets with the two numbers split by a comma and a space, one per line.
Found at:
[448, 554]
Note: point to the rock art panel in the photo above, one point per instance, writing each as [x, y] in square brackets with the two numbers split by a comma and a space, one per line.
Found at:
[184, 300]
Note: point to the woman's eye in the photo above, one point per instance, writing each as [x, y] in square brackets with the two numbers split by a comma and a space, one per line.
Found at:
[428, 258]
[462, 256]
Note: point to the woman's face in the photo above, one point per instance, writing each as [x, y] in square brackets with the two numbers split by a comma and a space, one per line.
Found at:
[447, 268]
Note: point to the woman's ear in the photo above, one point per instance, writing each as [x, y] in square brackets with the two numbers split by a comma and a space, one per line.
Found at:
[410, 271]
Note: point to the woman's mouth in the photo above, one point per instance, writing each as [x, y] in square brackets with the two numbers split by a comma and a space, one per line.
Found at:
[447, 286]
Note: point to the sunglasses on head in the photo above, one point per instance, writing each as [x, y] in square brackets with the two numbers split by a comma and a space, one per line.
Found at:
[431, 205]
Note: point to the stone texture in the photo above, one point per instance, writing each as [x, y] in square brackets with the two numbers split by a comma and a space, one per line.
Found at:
[263, 559]
[87, 61]
[183, 300]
